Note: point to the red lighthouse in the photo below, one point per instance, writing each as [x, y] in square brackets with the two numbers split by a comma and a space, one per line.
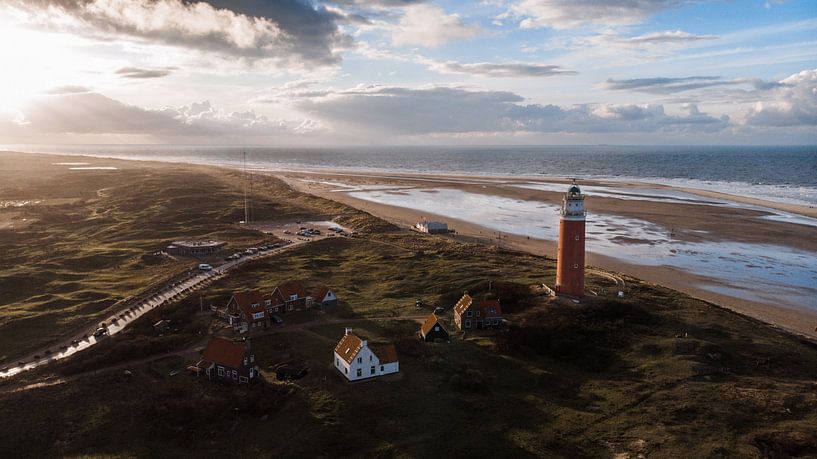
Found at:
[570, 258]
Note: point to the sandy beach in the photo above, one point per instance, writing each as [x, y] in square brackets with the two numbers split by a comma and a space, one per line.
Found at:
[725, 232]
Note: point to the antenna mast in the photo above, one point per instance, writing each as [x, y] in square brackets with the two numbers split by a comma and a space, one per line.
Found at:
[246, 209]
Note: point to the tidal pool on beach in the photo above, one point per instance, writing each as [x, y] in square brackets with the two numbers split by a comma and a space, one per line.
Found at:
[762, 272]
[672, 196]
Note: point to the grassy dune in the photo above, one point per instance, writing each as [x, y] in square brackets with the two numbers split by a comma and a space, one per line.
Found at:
[657, 374]
[87, 243]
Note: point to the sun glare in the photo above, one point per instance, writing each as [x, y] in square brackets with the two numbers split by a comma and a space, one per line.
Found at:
[32, 62]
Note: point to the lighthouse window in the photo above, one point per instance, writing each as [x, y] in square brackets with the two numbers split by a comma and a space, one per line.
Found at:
[576, 266]
[578, 238]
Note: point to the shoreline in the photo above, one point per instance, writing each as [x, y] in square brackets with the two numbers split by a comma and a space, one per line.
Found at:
[805, 210]
[799, 321]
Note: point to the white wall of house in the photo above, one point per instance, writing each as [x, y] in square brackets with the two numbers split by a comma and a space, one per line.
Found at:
[389, 368]
[364, 365]
[341, 365]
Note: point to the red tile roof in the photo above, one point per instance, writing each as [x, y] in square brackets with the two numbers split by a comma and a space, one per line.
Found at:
[429, 324]
[245, 300]
[290, 288]
[488, 307]
[320, 293]
[348, 347]
[386, 353]
[225, 352]
[463, 304]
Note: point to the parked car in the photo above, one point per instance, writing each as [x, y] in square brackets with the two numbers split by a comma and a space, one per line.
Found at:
[100, 332]
[205, 267]
[439, 310]
[287, 232]
[277, 319]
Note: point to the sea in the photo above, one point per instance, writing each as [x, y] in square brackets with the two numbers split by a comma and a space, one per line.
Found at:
[786, 174]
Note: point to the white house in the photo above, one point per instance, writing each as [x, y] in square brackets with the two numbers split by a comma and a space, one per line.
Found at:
[432, 227]
[355, 360]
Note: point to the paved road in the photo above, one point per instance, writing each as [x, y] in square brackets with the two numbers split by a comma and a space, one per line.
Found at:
[125, 316]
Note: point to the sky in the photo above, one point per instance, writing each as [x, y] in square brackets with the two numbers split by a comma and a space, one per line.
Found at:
[408, 72]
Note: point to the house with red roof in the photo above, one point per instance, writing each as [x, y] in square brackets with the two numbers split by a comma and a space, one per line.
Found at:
[356, 360]
[323, 297]
[432, 330]
[287, 297]
[227, 360]
[247, 311]
[483, 312]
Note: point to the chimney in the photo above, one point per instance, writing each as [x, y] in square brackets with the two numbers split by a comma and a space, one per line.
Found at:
[348, 330]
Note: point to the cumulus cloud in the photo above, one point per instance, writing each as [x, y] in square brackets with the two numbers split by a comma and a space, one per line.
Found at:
[288, 30]
[84, 113]
[430, 26]
[791, 103]
[504, 70]
[394, 110]
[144, 73]
[568, 14]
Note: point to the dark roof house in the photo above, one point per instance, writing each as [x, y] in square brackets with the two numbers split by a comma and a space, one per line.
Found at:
[432, 330]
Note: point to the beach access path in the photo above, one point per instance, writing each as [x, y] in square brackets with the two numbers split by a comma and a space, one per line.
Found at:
[129, 312]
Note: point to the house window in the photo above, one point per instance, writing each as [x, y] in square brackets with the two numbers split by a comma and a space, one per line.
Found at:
[346, 370]
[372, 369]
[255, 305]
[242, 379]
[289, 307]
[360, 360]
[235, 374]
[469, 313]
[477, 313]
[381, 368]
[293, 297]
[268, 302]
[467, 324]
[337, 361]
[575, 266]
[370, 358]
[436, 328]
[578, 238]
[360, 372]
[221, 371]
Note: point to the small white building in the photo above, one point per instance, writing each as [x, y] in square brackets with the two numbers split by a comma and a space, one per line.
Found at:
[432, 227]
[355, 360]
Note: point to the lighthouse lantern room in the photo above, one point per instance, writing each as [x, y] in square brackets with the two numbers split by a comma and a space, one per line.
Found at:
[570, 257]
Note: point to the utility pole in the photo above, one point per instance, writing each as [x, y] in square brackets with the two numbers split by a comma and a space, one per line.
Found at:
[246, 209]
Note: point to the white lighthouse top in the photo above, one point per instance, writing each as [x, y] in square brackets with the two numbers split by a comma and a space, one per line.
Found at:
[573, 203]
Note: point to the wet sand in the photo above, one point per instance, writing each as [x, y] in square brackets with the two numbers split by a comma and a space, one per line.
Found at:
[688, 221]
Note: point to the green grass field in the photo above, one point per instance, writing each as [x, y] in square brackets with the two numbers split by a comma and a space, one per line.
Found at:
[87, 244]
[657, 374]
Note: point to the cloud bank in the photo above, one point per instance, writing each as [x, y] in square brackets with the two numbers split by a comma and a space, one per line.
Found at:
[291, 31]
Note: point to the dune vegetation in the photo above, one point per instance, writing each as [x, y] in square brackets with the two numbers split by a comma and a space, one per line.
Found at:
[656, 373]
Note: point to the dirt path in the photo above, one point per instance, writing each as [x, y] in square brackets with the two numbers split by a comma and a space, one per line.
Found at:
[118, 366]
